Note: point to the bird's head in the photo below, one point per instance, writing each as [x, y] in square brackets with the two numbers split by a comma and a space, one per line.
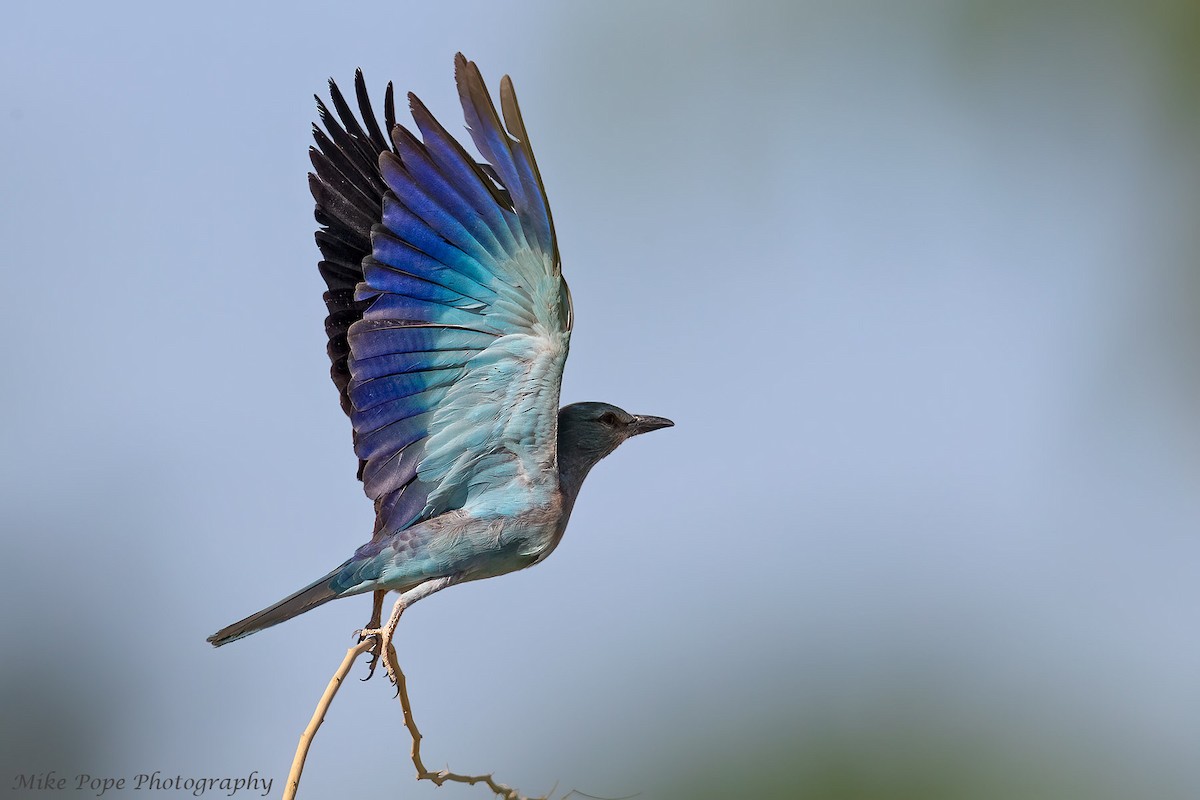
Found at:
[590, 431]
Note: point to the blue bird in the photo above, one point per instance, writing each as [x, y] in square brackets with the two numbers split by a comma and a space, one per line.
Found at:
[449, 322]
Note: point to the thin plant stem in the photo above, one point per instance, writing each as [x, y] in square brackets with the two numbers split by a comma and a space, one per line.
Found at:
[306, 738]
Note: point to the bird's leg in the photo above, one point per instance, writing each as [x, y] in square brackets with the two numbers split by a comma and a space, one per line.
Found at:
[405, 600]
[385, 640]
[376, 616]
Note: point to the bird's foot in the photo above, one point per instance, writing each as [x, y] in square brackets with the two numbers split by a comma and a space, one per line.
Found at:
[373, 625]
[378, 650]
[383, 644]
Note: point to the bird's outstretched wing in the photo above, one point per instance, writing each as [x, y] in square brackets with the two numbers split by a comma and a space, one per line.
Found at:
[449, 320]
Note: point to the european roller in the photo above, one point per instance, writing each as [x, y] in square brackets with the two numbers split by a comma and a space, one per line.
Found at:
[449, 323]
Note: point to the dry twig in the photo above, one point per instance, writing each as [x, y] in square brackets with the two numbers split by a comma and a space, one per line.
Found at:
[392, 664]
[441, 776]
[335, 683]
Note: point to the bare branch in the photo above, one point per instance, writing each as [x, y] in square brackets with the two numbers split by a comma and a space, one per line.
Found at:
[335, 683]
[441, 776]
[383, 636]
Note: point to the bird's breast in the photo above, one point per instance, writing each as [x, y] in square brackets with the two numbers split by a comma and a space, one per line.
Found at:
[501, 543]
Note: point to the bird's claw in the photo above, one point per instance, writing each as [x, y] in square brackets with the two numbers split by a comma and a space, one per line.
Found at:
[382, 649]
[376, 651]
[383, 638]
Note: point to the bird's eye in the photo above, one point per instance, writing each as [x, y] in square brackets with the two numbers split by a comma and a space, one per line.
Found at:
[609, 418]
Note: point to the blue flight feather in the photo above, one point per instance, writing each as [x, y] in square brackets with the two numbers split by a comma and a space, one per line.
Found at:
[454, 162]
[418, 199]
[390, 279]
[417, 162]
[366, 394]
[383, 476]
[382, 420]
[489, 137]
[402, 307]
[402, 224]
[392, 435]
[397, 363]
[372, 338]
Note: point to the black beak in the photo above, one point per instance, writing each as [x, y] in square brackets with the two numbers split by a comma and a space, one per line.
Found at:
[646, 424]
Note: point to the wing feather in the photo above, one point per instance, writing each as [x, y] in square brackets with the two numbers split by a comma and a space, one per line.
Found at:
[447, 307]
[348, 191]
[470, 178]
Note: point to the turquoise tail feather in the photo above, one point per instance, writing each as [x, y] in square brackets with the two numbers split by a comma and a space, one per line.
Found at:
[311, 596]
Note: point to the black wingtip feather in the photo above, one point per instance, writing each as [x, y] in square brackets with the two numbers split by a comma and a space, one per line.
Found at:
[368, 113]
[389, 108]
[347, 190]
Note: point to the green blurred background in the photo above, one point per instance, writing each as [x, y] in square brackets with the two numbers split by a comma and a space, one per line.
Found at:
[917, 281]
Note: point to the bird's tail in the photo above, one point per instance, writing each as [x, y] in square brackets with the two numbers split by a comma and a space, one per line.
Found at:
[309, 597]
